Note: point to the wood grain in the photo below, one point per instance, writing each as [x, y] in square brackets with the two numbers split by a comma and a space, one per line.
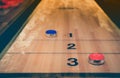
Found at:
[92, 31]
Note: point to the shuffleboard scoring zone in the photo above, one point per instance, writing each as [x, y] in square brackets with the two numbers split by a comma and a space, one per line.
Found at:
[92, 32]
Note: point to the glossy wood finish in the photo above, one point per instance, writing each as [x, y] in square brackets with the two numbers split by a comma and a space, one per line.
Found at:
[92, 31]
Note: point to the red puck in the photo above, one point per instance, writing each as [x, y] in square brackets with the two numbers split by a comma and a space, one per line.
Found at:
[5, 1]
[12, 3]
[4, 6]
[96, 58]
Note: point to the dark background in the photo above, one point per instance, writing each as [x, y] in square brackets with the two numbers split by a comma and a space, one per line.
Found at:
[8, 32]
[112, 9]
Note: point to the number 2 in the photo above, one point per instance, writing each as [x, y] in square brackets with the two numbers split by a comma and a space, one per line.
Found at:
[71, 46]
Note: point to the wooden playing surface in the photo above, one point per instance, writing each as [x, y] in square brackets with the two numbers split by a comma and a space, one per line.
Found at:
[92, 31]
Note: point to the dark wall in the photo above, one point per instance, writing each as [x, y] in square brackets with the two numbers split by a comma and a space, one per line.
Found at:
[112, 9]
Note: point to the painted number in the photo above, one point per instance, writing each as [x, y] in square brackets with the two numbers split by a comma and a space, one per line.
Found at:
[70, 34]
[71, 46]
[72, 62]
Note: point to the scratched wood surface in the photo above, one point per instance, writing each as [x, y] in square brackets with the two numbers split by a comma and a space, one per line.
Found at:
[92, 31]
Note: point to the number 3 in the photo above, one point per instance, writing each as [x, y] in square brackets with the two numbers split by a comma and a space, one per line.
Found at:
[73, 62]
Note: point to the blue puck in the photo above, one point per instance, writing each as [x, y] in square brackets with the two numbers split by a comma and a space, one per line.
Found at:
[51, 32]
